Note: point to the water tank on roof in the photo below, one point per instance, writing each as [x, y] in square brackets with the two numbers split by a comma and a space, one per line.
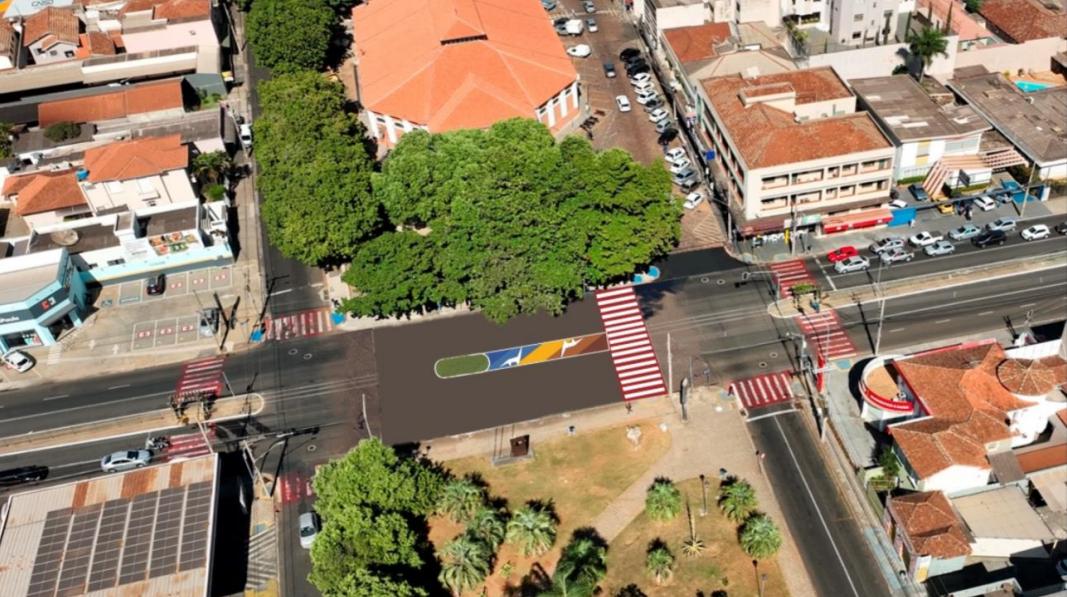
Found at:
[81, 174]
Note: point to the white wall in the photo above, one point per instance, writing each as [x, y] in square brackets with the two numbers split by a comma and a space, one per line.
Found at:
[990, 547]
[767, 11]
[955, 478]
[1033, 55]
[57, 53]
[686, 15]
[49, 218]
[879, 61]
[135, 194]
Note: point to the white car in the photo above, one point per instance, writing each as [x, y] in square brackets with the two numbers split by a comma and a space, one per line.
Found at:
[124, 461]
[308, 522]
[18, 360]
[941, 247]
[1036, 232]
[692, 200]
[244, 132]
[591, 25]
[886, 244]
[643, 97]
[623, 103]
[680, 166]
[898, 204]
[580, 51]
[985, 203]
[663, 125]
[639, 78]
[675, 155]
[924, 238]
[644, 87]
[856, 263]
[658, 114]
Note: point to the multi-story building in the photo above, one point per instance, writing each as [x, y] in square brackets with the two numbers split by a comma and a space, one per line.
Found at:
[51, 35]
[790, 151]
[9, 45]
[455, 64]
[860, 22]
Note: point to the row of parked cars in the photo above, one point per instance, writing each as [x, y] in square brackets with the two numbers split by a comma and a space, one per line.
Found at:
[892, 249]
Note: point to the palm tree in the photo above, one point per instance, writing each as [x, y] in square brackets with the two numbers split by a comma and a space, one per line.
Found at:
[663, 501]
[582, 565]
[929, 43]
[488, 526]
[659, 562]
[211, 167]
[693, 545]
[737, 501]
[533, 529]
[462, 498]
[760, 537]
[465, 562]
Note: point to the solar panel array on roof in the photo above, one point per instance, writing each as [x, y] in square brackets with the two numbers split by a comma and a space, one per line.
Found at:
[122, 541]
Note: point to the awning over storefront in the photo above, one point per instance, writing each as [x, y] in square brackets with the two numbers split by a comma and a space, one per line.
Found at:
[856, 221]
[765, 225]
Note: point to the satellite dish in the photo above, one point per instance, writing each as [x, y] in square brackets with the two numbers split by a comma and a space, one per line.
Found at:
[65, 238]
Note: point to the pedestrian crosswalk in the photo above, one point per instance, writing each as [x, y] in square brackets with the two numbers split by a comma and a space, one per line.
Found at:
[789, 274]
[294, 486]
[631, 349]
[189, 445]
[826, 336]
[262, 558]
[298, 325]
[763, 390]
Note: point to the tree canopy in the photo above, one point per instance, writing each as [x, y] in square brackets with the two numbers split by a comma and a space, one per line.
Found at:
[288, 35]
[508, 220]
[927, 45]
[315, 182]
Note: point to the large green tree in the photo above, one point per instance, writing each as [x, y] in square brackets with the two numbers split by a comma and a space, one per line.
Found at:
[926, 45]
[365, 583]
[533, 529]
[760, 537]
[288, 35]
[511, 221]
[737, 501]
[582, 565]
[663, 500]
[462, 498]
[315, 181]
[465, 562]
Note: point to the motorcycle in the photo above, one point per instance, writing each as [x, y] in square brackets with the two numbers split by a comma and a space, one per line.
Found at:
[157, 444]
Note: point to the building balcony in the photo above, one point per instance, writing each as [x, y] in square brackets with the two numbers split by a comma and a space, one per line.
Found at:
[882, 400]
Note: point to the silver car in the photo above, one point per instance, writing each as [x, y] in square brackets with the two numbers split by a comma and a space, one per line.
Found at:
[886, 244]
[964, 232]
[855, 263]
[895, 255]
[941, 247]
[124, 461]
[1003, 224]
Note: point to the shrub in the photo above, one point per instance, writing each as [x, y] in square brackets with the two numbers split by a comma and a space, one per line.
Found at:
[61, 131]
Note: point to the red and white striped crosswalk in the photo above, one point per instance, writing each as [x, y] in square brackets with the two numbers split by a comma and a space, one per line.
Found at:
[202, 376]
[189, 445]
[298, 325]
[294, 486]
[826, 336]
[763, 390]
[789, 274]
[631, 348]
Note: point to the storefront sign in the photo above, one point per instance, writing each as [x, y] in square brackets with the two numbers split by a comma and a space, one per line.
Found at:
[36, 310]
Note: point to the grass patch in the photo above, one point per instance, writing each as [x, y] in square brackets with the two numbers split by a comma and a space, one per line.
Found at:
[580, 475]
[461, 365]
[722, 565]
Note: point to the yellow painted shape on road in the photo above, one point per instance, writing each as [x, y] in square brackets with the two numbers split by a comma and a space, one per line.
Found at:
[547, 351]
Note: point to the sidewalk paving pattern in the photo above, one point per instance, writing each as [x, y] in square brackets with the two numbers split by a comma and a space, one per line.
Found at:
[763, 390]
[298, 325]
[790, 273]
[825, 334]
[631, 348]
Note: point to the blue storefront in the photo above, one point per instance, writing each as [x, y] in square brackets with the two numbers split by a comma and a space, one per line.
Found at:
[41, 295]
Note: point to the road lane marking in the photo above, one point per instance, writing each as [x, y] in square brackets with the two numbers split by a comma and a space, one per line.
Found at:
[942, 321]
[1027, 305]
[74, 408]
[119, 387]
[55, 397]
[985, 313]
[895, 330]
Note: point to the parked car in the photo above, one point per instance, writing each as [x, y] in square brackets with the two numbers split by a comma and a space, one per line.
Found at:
[990, 237]
[887, 243]
[580, 51]
[653, 105]
[22, 474]
[637, 69]
[1002, 196]
[680, 166]
[609, 70]
[1036, 232]
[1003, 224]
[658, 114]
[589, 6]
[126, 460]
[647, 95]
[842, 253]
[548, 5]
[156, 285]
[925, 238]
[590, 24]
[675, 155]
[855, 263]
[639, 78]
[895, 255]
[308, 523]
[1061, 228]
[985, 203]
[244, 133]
[628, 53]
[623, 103]
[689, 184]
[678, 177]
[945, 207]
[692, 200]
[663, 125]
[941, 247]
[898, 204]
[18, 360]
[964, 232]
[918, 192]
[644, 87]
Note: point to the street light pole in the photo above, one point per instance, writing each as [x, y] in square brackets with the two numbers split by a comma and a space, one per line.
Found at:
[881, 308]
[704, 492]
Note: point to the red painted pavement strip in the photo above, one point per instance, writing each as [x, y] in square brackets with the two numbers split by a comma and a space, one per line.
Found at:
[636, 366]
[763, 390]
[825, 333]
[790, 273]
[299, 325]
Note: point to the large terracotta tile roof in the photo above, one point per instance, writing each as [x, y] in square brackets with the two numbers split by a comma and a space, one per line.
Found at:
[766, 136]
[1024, 20]
[136, 158]
[170, 9]
[44, 191]
[95, 43]
[692, 44]
[60, 24]
[114, 103]
[450, 64]
[931, 524]
[1043, 458]
[933, 445]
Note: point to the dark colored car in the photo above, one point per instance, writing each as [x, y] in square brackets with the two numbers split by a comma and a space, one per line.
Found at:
[632, 64]
[643, 68]
[156, 285]
[992, 237]
[918, 192]
[1061, 228]
[609, 70]
[23, 474]
[629, 54]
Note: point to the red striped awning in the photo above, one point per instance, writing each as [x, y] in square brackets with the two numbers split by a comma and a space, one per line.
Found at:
[855, 221]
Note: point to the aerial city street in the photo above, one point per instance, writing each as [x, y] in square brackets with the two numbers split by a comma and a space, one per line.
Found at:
[486, 298]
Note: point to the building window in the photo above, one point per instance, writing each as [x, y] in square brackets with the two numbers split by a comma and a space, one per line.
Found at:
[856, 35]
[116, 262]
[857, 18]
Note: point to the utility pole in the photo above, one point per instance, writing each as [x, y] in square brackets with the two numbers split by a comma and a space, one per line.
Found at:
[670, 368]
[881, 308]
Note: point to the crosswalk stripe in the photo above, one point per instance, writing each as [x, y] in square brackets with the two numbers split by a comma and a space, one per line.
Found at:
[632, 355]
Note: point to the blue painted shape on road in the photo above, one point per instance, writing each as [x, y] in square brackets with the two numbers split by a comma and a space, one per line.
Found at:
[337, 318]
[507, 357]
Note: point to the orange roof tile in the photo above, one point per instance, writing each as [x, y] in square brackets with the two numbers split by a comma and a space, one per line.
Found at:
[450, 64]
[692, 44]
[1044, 458]
[766, 136]
[933, 445]
[931, 524]
[173, 10]
[1024, 20]
[136, 158]
[962, 23]
[113, 103]
[59, 23]
[44, 191]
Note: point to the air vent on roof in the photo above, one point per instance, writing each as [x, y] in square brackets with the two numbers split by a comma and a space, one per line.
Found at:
[65, 238]
[463, 40]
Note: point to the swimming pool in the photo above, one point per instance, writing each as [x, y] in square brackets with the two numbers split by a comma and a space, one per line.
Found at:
[1031, 86]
